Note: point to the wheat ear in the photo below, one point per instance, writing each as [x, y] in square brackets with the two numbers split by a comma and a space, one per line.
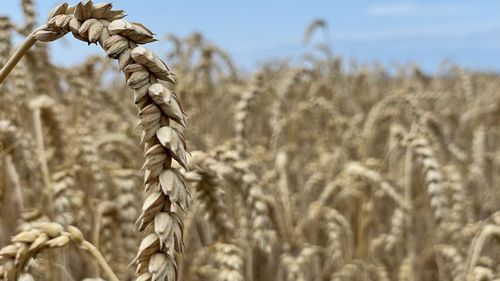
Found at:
[63, 181]
[210, 195]
[421, 147]
[158, 106]
[126, 182]
[41, 236]
[242, 110]
[228, 256]
[5, 40]
[264, 234]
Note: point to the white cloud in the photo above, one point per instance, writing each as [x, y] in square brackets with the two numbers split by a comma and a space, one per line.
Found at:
[408, 8]
[391, 9]
[441, 32]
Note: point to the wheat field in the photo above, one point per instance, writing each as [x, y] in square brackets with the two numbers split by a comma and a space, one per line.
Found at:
[126, 171]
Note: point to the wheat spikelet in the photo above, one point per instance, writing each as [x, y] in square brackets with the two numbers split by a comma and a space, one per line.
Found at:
[237, 170]
[340, 242]
[126, 184]
[381, 111]
[291, 269]
[26, 277]
[20, 87]
[81, 82]
[467, 84]
[8, 104]
[118, 147]
[277, 121]
[210, 195]
[478, 147]
[89, 160]
[16, 142]
[29, 16]
[203, 267]
[388, 189]
[43, 73]
[63, 183]
[405, 270]
[311, 186]
[454, 260]
[263, 233]
[389, 242]
[31, 216]
[231, 264]
[8, 140]
[358, 270]
[242, 234]
[433, 177]
[482, 273]
[242, 110]
[332, 188]
[477, 167]
[46, 108]
[460, 211]
[5, 40]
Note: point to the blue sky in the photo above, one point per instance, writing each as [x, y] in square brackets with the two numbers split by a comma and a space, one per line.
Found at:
[390, 32]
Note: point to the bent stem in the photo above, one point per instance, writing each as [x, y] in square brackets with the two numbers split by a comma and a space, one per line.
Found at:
[18, 55]
[477, 247]
[100, 259]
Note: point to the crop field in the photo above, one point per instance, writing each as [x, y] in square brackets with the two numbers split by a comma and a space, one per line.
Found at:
[124, 168]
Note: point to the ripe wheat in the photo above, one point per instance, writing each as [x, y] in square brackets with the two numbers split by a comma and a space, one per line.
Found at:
[299, 171]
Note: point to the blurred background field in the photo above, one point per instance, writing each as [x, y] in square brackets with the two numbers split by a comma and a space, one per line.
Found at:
[325, 140]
